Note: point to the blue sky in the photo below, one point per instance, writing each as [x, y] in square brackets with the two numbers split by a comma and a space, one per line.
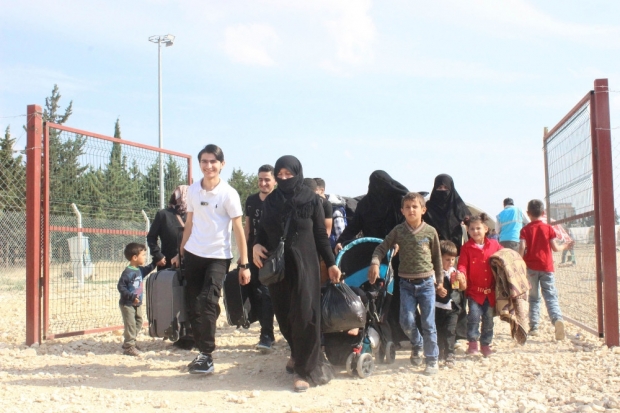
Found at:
[416, 88]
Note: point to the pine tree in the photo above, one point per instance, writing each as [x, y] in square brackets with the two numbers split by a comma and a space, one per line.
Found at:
[12, 175]
[173, 176]
[65, 168]
[245, 184]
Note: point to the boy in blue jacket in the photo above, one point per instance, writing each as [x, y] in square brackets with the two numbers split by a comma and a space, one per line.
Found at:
[130, 285]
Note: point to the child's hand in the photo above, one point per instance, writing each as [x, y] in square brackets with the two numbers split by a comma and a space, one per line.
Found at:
[373, 273]
[460, 277]
[441, 291]
[136, 301]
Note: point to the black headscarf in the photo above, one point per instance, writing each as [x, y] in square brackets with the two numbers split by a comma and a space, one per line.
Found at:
[381, 205]
[290, 192]
[445, 210]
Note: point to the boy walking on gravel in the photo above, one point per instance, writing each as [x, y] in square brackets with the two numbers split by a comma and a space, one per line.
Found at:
[420, 273]
[537, 241]
[130, 285]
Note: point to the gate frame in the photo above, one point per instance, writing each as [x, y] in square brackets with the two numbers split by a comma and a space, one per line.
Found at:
[37, 222]
[603, 211]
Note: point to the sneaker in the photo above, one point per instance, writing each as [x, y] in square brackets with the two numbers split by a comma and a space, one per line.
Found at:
[290, 366]
[486, 351]
[473, 348]
[415, 358]
[265, 345]
[560, 334]
[533, 333]
[431, 368]
[202, 364]
[132, 351]
[300, 384]
[450, 360]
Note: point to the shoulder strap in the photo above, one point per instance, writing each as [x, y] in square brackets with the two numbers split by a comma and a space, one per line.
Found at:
[180, 220]
[288, 221]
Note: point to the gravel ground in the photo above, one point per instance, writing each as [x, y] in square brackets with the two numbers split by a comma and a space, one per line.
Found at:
[89, 373]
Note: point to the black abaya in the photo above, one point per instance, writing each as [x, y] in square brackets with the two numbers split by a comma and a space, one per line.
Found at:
[297, 299]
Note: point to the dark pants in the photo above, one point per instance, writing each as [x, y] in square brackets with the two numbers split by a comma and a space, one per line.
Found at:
[446, 320]
[205, 277]
[261, 303]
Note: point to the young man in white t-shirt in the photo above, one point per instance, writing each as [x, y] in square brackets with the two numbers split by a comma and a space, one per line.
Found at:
[213, 209]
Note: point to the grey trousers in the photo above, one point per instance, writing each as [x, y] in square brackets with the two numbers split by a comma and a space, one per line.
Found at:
[132, 319]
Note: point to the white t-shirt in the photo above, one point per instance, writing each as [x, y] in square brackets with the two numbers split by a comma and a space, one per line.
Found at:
[212, 220]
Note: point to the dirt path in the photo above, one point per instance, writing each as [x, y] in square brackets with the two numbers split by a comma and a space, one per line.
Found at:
[88, 373]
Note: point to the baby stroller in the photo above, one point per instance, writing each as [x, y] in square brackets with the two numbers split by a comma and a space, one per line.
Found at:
[358, 352]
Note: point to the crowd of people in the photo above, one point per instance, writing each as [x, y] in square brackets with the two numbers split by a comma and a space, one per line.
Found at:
[443, 289]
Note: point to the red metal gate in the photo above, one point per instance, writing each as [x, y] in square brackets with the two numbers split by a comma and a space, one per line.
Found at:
[88, 195]
[579, 189]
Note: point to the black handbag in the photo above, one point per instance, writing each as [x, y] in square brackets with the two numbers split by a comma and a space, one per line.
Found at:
[273, 267]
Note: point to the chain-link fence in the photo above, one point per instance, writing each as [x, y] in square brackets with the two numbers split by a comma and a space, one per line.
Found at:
[101, 195]
[12, 234]
[570, 202]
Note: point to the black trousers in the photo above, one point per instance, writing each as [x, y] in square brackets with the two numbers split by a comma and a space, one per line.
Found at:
[446, 320]
[261, 303]
[205, 277]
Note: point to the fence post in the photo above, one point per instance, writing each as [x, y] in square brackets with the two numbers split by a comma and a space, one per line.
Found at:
[34, 131]
[606, 211]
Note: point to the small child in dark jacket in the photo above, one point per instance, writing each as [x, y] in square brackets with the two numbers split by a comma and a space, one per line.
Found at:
[130, 285]
[448, 302]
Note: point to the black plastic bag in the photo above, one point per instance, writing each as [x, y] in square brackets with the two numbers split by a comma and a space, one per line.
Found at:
[341, 309]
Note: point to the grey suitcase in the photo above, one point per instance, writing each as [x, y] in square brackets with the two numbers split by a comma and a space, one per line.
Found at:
[165, 303]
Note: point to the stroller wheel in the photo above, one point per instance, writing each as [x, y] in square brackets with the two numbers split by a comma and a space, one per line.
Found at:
[365, 365]
[390, 353]
[350, 364]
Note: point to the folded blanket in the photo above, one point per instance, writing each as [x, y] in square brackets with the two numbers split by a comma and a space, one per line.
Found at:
[511, 288]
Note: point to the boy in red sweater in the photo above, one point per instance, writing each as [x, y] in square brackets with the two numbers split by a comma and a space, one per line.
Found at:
[537, 241]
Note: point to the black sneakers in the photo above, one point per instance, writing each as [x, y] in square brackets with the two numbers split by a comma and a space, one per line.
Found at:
[202, 364]
[265, 345]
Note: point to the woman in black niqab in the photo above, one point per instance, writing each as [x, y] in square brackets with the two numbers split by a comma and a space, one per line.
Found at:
[445, 210]
[297, 298]
[379, 211]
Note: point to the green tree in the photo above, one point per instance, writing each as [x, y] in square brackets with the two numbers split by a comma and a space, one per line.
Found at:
[173, 176]
[12, 175]
[66, 171]
[245, 184]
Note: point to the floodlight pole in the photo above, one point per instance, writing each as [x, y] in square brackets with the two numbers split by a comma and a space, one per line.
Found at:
[168, 39]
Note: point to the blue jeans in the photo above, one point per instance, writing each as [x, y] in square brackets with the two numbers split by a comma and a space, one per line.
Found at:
[476, 313]
[423, 294]
[544, 281]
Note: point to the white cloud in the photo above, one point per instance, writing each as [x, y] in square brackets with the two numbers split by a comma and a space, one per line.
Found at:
[353, 31]
[251, 44]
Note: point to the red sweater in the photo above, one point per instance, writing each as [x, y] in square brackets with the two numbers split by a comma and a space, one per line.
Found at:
[474, 263]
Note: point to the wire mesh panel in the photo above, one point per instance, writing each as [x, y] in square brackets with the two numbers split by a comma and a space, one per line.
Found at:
[570, 206]
[101, 194]
[615, 141]
[12, 237]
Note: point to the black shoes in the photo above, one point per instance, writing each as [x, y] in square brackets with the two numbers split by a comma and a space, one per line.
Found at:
[202, 364]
